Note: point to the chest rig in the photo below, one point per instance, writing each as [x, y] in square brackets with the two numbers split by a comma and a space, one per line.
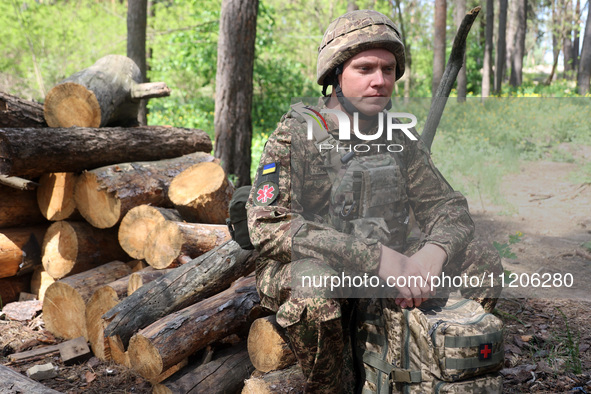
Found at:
[368, 194]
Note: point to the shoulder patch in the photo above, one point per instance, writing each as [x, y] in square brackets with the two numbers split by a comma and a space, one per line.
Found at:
[266, 193]
[267, 188]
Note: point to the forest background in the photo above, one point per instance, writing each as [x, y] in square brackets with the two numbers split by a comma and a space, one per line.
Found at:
[528, 115]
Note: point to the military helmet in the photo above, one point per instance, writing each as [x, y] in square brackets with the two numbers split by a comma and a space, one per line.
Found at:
[355, 32]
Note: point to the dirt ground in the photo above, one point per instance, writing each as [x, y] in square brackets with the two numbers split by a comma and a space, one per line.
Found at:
[548, 333]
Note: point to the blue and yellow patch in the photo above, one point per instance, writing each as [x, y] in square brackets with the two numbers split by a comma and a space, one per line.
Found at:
[269, 168]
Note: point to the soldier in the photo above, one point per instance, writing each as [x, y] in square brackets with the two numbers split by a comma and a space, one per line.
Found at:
[302, 224]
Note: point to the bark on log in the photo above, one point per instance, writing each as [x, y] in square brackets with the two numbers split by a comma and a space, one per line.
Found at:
[138, 223]
[73, 247]
[290, 380]
[40, 281]
[104, 195]
[29, 153]
[170, 242]
[164, 343]
[17, 183]
[13, 382]
[20, 250]
[202, 193]
[106, 93]
[145, 276]
[225, 373]
[64, 306]
[10, 288]
[201, 278]
[16, 112]
[55, 196]
[268, 346]
[18, 208]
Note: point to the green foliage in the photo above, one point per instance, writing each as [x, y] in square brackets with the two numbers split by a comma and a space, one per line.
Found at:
[42, 43]
[504, 249]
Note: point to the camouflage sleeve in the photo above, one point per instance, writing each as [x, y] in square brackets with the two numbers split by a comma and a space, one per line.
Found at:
[279, 230]
[441, 212]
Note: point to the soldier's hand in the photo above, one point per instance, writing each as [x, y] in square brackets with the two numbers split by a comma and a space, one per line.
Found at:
[425, 264]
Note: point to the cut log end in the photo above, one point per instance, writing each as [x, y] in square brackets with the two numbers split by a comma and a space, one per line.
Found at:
[138, 223]
[99, 207]
[60, 249]
[101, 301]
[289, 380]
[55, 195]
[267, 346]
[202, 193]
[164, 245]
[70, 104]
[144, 357]
[64, 311]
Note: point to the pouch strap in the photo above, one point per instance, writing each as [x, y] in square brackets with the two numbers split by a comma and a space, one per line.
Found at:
[396, 374]
[474, 340]
[474, 362]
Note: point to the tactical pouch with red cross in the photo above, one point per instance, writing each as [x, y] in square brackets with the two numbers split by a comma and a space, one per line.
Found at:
[457, 348]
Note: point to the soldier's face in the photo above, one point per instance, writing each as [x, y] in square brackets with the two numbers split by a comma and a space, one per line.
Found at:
[368, 79]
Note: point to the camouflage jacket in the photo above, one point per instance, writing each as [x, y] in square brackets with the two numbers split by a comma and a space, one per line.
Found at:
[291, 227]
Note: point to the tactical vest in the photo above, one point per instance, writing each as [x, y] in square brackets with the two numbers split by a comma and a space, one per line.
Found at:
[368, 194]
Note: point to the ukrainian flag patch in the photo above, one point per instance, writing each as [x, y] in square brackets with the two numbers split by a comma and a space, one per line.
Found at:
[269, 168]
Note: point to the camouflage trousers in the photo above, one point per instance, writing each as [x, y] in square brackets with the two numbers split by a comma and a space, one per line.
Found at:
[318, 326]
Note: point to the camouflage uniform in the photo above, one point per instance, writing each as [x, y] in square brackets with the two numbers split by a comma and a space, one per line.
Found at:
[294, 239]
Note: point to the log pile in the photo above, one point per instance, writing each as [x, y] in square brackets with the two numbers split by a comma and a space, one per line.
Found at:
[110, 201]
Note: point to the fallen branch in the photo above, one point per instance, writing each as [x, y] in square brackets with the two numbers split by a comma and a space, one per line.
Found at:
[454, 64]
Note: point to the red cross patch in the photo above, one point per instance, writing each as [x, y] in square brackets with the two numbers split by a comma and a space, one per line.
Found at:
[485, 351]
[266, 193]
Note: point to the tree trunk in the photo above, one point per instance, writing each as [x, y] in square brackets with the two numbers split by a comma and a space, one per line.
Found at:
[184, 286]
[64, 307]
[584, 72]
[104, 195]
[10, 288]
[14, 382]
[516, 78]
[510, 31]
[18, 208]
[32, 152]
[268, 345]
[488, 48]
[55, 196]
[290, 380]
[225, 373]
[164, 343]
[576, 41]
[460, 12]
[202, 193]
[73, 247]
[138, 223]
[20, 250]
[40, 281]
[501, 53]
[140, 278]
[439, 43]
[557, 23]
[137, 19]
[16, 112]
[233, 98]
[106, 93]
[171, 242]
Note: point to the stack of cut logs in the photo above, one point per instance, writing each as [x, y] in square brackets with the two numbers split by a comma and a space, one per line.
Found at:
[120, 231]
